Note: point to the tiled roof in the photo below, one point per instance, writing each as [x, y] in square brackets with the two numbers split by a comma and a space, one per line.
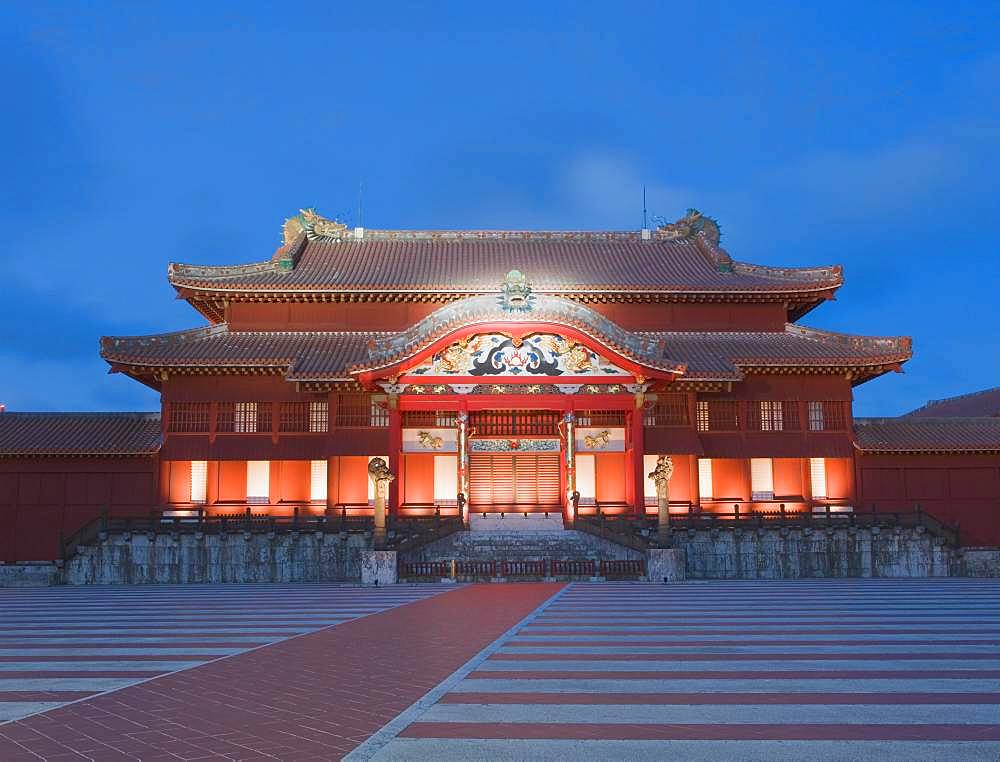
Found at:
[476, 262]
[323, 355]
[928, 435]
[76, 434]
[983, 403]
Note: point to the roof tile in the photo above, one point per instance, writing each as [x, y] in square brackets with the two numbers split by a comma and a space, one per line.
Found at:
[78, 434]
[927, 435]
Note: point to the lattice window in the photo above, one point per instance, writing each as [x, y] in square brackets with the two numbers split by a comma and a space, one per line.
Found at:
[440, 419]
[360, 411]
[600, 418]
[189, 417]
[515, 422]
[770, 416]
[244, 417]
[827, 416]
[304, 417]
[773, 415]
[319, 416]
[718, 415]
[670, 410]
[701, 410]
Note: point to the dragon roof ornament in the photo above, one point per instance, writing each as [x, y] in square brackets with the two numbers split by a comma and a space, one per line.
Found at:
[314, 225]
[690, 225]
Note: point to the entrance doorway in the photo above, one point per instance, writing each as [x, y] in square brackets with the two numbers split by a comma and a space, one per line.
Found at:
[516, 482]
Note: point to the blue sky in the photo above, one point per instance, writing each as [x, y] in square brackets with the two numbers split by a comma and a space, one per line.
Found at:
[853, 133]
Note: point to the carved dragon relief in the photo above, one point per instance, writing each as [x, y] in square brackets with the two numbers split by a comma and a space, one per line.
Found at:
[428, 441]
[597, 441]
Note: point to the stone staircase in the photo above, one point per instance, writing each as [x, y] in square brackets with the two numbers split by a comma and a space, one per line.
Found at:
[523, 553]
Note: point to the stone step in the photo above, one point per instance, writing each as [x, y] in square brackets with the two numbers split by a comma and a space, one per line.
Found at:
[516, 522]
[563, 545]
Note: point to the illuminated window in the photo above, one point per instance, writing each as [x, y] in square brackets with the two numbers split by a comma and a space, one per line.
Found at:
[258, 481]
[817, 474]
[319, 417]
[702, 415]
[771, 418]
[317, 481]
[816, 418]
[245, 417]
[199, 481]
[761, 479]
[705, 478]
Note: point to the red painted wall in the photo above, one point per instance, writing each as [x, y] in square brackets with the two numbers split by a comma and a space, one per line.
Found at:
[418, 486]
[609, 477]
[953, 488]
[43, 497]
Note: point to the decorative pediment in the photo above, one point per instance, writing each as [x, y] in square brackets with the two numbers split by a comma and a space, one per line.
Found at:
[496, 354]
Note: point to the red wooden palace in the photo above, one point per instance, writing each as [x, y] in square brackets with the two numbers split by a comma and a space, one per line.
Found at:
[495, 371]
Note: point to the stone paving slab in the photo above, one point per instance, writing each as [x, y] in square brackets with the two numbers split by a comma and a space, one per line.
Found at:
[64, 644]
[315, 696]
[768, 676]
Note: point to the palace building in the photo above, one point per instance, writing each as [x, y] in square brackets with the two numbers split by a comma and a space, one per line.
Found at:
[496, 372]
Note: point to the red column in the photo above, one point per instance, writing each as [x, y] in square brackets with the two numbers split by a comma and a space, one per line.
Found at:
[395, 449]
[636, 467]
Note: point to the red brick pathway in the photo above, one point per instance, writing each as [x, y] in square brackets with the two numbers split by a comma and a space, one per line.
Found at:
[313, 697]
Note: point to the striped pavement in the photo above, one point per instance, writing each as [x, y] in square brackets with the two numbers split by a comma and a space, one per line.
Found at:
[64, 644]
[804, 669]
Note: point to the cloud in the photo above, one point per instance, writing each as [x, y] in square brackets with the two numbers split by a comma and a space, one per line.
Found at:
[857, 185]
[606, 191]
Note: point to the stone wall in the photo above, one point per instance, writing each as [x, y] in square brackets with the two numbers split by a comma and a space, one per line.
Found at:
[803, 553]
[31, 574]
[980, 562]
[123, 559]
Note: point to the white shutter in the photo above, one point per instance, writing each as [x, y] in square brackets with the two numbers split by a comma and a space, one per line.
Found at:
[586, 478]
[258, 481]
[648, 466]
[445, 479]
[761, 479]
[705, 478]
[817, 474]
[199, 481]
[317, 481]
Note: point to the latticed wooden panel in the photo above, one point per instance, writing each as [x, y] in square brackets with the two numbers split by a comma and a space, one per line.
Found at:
[189, 417]
[531, 423]
[669, 410]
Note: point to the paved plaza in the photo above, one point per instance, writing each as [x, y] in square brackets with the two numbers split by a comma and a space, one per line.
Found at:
[825, 669]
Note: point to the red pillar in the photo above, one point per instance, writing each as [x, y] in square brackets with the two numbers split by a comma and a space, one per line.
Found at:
[395, 449]
[635, 466]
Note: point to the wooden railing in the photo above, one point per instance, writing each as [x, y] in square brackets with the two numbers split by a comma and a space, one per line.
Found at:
[640, 532]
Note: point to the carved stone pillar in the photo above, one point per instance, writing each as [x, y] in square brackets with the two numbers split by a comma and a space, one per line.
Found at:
[463, 462]
[661, 477]
[569, 423]
[380, 475]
